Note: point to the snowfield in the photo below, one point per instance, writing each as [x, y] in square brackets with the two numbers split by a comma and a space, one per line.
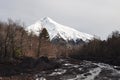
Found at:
[56, 30]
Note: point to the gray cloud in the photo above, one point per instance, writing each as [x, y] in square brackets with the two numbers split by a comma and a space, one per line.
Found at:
[96, 17]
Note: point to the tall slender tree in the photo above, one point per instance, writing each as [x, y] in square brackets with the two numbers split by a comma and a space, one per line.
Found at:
[43, 38]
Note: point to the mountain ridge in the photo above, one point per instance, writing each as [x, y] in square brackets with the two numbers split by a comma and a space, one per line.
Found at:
[57, 30]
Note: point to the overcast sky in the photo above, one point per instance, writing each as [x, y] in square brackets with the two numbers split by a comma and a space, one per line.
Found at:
[96, 17]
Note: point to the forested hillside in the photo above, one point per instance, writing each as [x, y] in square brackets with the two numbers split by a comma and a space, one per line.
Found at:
[101, 50]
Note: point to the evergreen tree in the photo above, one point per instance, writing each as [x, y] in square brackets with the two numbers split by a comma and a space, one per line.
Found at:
[44, 35]
[43, 38]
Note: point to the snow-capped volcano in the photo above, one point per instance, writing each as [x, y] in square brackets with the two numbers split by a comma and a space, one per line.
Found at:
[56, 30]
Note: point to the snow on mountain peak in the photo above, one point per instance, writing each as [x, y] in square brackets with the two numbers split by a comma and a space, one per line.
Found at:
[57, 30]
[46, 19]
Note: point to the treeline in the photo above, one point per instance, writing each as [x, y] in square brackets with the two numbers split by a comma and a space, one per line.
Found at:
[15, 42]
[104, 51]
